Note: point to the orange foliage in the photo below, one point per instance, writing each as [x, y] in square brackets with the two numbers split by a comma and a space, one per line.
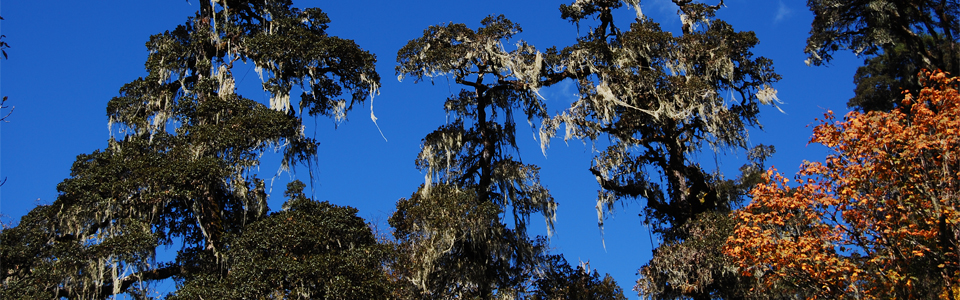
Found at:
[878, 219]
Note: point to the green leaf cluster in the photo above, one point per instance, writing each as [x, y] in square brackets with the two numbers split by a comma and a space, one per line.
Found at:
[310, 250]
[897, 39]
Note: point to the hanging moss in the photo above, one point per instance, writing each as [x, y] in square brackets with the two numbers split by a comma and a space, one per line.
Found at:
[179, 168]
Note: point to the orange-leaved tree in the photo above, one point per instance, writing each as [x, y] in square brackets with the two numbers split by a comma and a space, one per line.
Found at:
[878, 219]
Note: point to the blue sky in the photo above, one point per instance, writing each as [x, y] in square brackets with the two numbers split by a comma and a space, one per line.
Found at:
[69, 58]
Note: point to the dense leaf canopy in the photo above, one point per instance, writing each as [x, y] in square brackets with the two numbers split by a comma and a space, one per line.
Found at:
[455, 247]
[877, 219]
[310, 250]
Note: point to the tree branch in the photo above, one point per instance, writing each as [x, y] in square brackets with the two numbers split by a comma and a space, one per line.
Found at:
[155, 274]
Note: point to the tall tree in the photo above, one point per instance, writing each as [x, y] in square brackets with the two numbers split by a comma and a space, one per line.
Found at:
[179, 168]
[483, 132]
[877, 219]
[659, 98]
[469, 161]
[898, 39]
[452, 230]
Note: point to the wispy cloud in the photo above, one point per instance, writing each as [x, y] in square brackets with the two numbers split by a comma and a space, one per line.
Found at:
[665, 7]
[563, 92]
[783, 12]
[660, 10]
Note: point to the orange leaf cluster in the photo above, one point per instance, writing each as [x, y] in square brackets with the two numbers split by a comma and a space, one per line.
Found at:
[878, 219]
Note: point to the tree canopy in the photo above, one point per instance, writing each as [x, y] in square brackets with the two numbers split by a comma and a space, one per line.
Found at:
[308, 250]
[475, 148]
[897, 38]
[180, 173]
[877, 219]
[179, 167]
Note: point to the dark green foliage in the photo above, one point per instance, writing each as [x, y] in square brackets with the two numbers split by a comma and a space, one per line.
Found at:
[179, 169]
[311, 250]
[26, 256]
[454, 246]
[898, 38]
[560, 281]
[883, 78]
[869, 27]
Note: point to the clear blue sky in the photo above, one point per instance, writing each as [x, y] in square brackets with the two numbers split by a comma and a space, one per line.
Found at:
[68, 58]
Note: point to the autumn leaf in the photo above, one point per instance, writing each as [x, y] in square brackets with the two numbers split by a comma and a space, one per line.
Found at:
[877, 220]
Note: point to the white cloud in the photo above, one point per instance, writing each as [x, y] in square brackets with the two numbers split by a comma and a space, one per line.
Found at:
[660, 10]
[783, 12]
[563, 92]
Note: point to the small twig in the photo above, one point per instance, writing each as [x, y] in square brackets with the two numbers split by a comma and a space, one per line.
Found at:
[4, 118]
